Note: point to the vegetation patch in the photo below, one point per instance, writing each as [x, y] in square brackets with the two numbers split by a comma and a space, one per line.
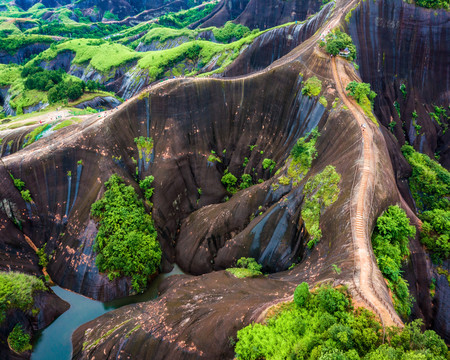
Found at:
[339, 43]
[390, 241]
[364, 97]
[432, 4]
[430, 188]
[312, 87]
[16, 291]
[231, 32]
[184, 18]
[19, 340]
[126, 241]
[322, 325]
[35, 135]
[246, 267]
[145, 147]
[302, 155]
[320, 192]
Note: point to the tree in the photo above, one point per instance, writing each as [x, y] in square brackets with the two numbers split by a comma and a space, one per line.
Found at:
[359, 91]
[74, 91]
[301, 294]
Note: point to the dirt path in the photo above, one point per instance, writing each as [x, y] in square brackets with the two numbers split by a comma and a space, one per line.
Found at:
[361, 238]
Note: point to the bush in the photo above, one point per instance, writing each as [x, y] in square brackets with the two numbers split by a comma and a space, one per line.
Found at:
[320, 192]
[146, 186]
[19, 340]
[312, 87]
[16, 291]
[246, 181]
[230, 31]
[390, 241]
[246, 267]
[337, 41]
[126, 240]
[313, 332]
[301, 294]
[268, 164]
[430, 188]
[229, 181]
[360, 91]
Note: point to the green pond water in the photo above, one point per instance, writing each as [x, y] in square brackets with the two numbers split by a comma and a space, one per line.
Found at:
[54, 342]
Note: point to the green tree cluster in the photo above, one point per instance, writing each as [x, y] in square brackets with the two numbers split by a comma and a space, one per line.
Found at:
[126, 241]
[246, 267]
[321, 325]
[434, 4]
[320, 192]
[312, 87]
[184, 18]
[16, 291]
[430, 188]
[19, 340]
[360, 92]
[231, 32]
[337, 41]
[390, 241]
[146, 186]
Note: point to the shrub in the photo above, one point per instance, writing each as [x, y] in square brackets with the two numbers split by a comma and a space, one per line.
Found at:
[301, 294]
[320, 192]
[16, 291]
[146, 186]
[246, 181]
[42, 255]
[230, 31]
[390, 245]
[26, 196]
[126, 240]
[246, 267]
[229, 181]
[268, 164]
[360, 91]
[328, 328]
[312, 87]
[19, 340]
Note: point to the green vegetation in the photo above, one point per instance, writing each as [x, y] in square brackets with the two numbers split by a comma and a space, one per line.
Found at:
[321, 325]
[19, 340]
[231, 31]
[13, 43]
[184, 18]
[146, 186]
[390, 241]
[440, 116]
[338, 41]
[145, 147]
[63, 124]
[323, 101]
[433, 4]
[403, 90]
[302, 155]
[246, 181]
[20, 185]
[268, 164]
[320, 192]
[229, 181]
[126, 240]
[364, 97]
[430, 188]
[246, 267]
[42, 255]
[35, 135]
[312, 87]
[16, 291]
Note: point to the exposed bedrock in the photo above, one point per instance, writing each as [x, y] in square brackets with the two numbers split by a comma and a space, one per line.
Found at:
[276, 43]
[399, 43]
[195, 316]
[23, 53]
[261, 14]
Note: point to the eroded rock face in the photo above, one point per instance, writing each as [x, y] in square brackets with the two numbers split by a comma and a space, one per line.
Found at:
[399, 43]
[23, 53]
[274, 44]
[261, 14]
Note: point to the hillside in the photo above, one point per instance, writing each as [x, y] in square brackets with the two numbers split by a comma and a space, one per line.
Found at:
[256, 145]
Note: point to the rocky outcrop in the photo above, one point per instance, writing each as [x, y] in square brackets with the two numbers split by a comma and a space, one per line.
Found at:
[274, 44]
[261, 14]
[23, 53]
[399, 43]
[100, 103]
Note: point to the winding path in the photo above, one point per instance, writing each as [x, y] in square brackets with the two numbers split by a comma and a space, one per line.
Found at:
[360, 236]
